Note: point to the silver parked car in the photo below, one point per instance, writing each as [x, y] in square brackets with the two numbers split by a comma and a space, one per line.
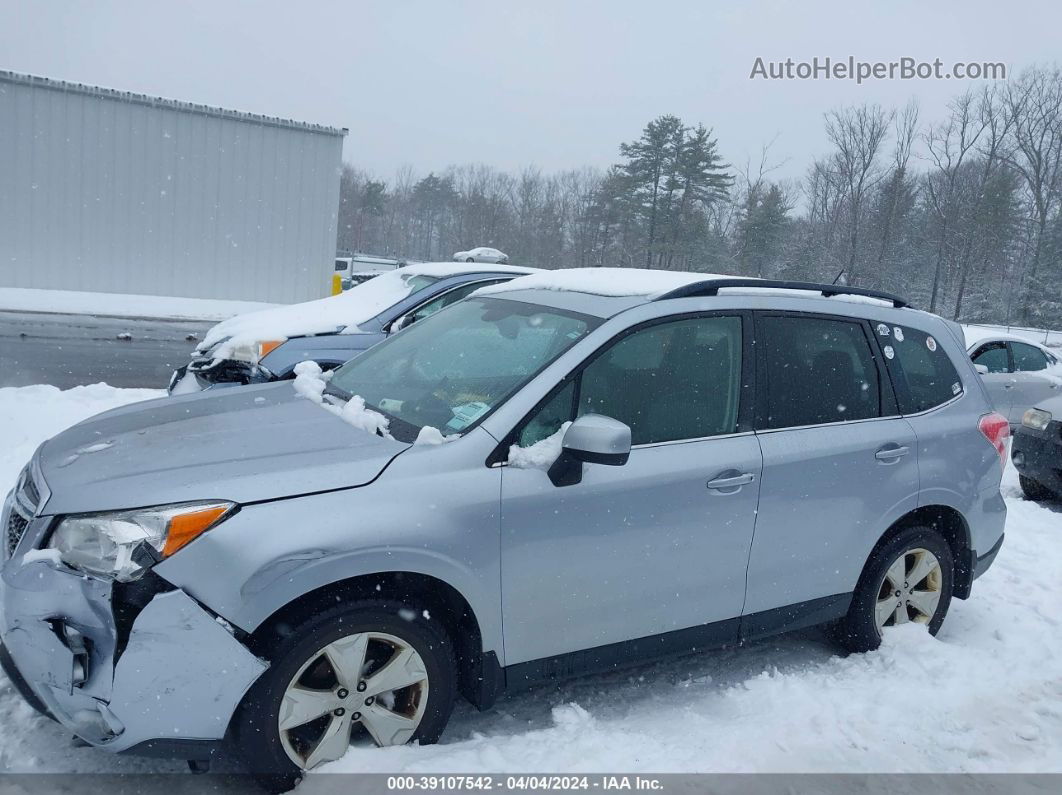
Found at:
[1018, 373]
[535, 482]
[481, 254]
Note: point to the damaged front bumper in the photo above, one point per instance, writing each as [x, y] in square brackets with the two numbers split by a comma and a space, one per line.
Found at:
[134, 667]
[202, 374]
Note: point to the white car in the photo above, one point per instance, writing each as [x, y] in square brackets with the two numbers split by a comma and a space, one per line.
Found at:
[482, 254]
[1018, 373]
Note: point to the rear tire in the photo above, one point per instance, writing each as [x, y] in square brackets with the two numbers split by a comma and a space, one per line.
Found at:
[915, 552]
[1033, 490]
[470, 259]
[303, 675]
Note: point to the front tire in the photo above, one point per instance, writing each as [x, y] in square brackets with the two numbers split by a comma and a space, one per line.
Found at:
[470, 259]
[909, 578]
[371, 672]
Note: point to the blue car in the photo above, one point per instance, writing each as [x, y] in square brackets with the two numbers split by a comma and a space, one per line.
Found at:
[263, 346]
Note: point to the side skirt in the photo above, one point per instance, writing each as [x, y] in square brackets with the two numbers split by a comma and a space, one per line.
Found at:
[729, 632]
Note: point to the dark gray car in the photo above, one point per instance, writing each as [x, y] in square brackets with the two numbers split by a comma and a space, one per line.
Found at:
[565, 473]
[264, 346]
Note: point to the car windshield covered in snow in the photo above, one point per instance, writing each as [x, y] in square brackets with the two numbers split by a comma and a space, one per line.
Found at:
[452, 369]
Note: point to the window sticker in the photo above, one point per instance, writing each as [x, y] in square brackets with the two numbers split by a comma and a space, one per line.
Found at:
[955, 388]
[897, 332]
[883, 330]
[466, 414]
[931, 343]
[889, 352]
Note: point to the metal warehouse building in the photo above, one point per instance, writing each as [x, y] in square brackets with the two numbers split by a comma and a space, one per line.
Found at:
[108, 191]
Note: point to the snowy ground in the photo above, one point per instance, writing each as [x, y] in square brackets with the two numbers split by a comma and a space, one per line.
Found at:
[71, 302]
[986, 695]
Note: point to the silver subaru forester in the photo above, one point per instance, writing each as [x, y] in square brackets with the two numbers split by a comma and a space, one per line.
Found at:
[569, 472]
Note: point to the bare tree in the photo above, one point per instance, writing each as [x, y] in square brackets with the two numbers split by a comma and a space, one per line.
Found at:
[1035, 105]
[858, 134]
[949, 144]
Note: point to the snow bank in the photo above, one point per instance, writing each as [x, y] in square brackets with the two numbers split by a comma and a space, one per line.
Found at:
[31, 414]
[325, 315]
[310, 382]
[541, 454]
[69, 302]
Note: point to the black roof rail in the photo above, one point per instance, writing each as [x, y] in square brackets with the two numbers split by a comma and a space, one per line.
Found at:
[713, 286]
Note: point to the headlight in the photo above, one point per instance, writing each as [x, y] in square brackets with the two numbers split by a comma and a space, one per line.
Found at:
[1036, 419]
[254, 352]
[124, 545]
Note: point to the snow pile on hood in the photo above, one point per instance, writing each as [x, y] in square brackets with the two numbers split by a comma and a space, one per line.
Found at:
[327, 315]
[541, 454]
[429, 435]
[310, 382]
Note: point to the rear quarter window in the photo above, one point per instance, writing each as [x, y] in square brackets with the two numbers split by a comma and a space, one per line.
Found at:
[922, 373]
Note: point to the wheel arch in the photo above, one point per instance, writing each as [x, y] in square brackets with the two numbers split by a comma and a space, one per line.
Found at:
[478, 671]
[952, 526]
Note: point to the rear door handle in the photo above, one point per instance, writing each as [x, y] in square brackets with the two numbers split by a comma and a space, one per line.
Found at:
[732, 481]
[891, 452]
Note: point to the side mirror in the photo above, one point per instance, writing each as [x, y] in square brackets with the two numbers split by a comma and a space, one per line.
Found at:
[981, 369]
[593, 439]
[405, 321]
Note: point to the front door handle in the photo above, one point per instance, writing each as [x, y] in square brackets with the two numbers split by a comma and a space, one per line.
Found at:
[728, 481]
[891, 452]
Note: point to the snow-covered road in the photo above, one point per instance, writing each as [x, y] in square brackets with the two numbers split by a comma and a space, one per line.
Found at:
[986, 695]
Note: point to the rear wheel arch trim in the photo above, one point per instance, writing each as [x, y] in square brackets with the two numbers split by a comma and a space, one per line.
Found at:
[952, 526]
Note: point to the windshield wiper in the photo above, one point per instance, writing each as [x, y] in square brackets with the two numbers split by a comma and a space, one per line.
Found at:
[335, 391]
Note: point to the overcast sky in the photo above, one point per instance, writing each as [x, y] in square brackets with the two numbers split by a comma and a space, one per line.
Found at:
[510, 83]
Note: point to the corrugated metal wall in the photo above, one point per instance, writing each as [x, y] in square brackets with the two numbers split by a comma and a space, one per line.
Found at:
[113, 192]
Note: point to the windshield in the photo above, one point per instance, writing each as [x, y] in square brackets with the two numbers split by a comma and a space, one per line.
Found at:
[451, 369]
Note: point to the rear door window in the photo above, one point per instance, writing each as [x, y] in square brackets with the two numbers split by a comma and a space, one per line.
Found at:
[818, 371]
[921, 371]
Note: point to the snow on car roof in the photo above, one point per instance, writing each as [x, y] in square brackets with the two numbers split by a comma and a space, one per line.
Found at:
[357, 305]
[646, 283]
[609, 282]
[976, 334]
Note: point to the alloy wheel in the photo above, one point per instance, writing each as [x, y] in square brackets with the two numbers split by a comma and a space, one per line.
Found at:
[910, 590]
[370, 683]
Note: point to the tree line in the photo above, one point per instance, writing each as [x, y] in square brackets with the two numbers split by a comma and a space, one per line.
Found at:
[961, 213]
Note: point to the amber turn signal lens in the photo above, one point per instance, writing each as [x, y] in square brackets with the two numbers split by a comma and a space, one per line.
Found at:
[266, 347]
[186, 527]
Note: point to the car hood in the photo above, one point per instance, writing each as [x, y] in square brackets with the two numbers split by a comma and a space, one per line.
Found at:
[246, 445]
[1053, 405]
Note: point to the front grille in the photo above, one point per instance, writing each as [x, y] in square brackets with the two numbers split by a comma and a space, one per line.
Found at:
[16, 528]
